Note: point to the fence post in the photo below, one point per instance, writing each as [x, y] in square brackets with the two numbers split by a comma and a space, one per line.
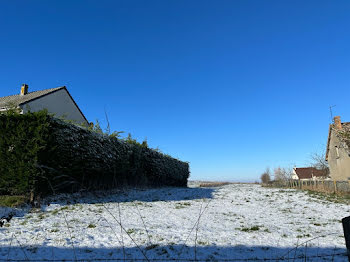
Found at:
[346, 228]
[335, 186]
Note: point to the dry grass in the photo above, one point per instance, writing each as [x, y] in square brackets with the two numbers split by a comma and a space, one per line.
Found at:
[12, 201]
[213, 184]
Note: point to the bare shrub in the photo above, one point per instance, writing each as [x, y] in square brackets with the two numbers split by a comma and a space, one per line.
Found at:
[266, 177]
[283, 174]
[318, 161]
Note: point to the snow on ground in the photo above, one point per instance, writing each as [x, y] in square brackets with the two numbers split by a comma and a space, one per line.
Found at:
[237, 221]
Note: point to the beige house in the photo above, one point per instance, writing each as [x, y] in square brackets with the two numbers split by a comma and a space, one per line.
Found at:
[57, 101]
[338, 150]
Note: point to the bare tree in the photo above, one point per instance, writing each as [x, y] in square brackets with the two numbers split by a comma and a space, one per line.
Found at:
[266, 177]
[318, 160]
[283, 174]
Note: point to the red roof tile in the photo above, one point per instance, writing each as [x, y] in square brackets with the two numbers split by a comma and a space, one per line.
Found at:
[309, 172]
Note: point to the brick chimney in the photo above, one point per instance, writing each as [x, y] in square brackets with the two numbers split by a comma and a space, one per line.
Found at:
[337, 123]
[24, 89]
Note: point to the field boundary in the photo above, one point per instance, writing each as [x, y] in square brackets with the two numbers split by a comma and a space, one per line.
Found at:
[323, 186]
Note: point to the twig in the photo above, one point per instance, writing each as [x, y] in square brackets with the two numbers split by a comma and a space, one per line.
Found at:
[70, 235]
[53, 255]
[108, 128]
[295, 252]
[333, 254]
[138, 247]
[109, 224]
[306, 242]
[195, 240]
[8, 254]
[184, 244]
[22, 248]
[143, 222]
[121, 230]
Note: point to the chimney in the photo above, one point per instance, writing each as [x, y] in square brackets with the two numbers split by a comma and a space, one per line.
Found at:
[24, 89]
[337, 123]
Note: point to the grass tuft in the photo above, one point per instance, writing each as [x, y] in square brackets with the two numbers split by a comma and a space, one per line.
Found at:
[249, 229]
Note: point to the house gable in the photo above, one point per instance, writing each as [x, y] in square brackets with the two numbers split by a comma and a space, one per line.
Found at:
[338, 151]
[58, 102]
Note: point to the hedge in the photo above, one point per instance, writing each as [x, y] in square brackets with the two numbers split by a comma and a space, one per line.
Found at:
[43, 155]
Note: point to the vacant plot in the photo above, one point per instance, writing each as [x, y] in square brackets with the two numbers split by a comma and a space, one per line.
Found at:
[235, 221]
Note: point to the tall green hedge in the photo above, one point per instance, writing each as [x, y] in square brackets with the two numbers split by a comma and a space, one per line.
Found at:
[41, 154]
[22, 139]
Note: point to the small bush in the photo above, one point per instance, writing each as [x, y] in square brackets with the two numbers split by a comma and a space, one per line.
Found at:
[265, 177]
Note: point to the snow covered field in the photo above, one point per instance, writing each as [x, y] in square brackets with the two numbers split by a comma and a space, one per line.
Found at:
[237, 221]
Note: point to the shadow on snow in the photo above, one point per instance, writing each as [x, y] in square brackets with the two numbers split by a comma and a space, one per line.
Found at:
[121, 196]
[131, 195]
[171, 253]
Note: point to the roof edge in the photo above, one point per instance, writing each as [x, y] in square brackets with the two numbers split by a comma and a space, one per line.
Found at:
[328, 141]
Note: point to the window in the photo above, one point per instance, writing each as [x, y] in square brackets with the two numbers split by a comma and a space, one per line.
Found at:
[337, 151]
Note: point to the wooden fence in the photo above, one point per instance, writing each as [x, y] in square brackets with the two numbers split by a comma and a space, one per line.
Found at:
[328, 186]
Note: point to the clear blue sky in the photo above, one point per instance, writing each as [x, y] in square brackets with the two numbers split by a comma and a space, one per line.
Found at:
[230, 86]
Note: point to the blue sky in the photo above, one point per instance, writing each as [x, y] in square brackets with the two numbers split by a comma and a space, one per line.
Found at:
[230, 86]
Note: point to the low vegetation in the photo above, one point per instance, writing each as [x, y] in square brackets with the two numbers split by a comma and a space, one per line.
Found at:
[213, 184]
[332, 197]
[12, 201]
[250, 229]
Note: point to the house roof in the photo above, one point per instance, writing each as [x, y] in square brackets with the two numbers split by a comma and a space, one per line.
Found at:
[342, 134]
[309, 172]
[18, 100]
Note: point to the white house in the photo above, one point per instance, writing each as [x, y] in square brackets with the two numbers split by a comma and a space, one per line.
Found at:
[57, 101]
[309, 173]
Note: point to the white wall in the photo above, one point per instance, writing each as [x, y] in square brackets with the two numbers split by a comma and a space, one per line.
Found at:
[58, 103]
